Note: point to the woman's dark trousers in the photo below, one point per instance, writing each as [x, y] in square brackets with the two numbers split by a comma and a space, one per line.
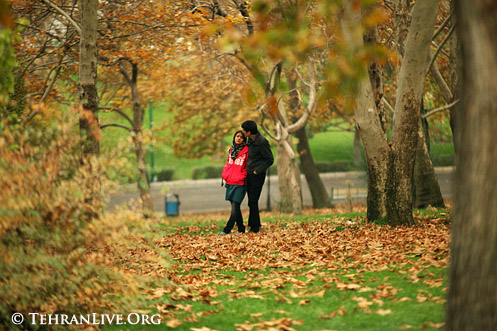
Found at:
[236, 216]
[254, 189]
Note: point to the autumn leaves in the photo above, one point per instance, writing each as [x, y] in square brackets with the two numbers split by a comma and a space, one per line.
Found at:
[301, 264]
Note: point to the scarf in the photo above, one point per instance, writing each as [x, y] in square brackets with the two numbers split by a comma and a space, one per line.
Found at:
[235, 150]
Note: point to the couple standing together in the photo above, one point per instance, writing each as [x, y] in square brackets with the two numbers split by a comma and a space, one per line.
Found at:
[245, 172]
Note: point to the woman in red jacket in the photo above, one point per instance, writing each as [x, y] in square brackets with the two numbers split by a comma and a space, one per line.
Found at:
[234, 173]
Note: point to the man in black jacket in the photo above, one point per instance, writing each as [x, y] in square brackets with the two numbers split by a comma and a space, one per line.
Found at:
[260, 158]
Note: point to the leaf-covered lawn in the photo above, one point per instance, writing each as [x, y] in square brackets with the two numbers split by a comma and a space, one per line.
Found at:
[314, 272]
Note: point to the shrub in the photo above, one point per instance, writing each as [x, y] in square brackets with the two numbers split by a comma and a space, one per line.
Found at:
[334, 166]
[51, 201]
[164, 175]
[207, 172]
[443, 160]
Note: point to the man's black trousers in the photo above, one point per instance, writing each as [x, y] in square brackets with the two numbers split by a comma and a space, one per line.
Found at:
[254, 189]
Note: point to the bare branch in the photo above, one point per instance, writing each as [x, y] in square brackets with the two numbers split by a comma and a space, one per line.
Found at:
[433, 58]
[388, 105]
[117, 125]
[446, 92]
[437, 110]
[120, 112]
[63, 13]
[442, 26]
[311, 105]
[52, 79]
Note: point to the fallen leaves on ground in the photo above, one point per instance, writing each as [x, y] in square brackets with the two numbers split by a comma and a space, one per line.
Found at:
[295, 254]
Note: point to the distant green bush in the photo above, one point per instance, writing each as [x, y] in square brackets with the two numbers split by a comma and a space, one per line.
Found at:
[163, 175]
[333, 166]
[443, 160]
[207, 172]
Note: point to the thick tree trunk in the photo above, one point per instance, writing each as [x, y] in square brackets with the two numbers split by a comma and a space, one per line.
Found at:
[427, 190]
[402, 20]
[376, 77]
[455, 82]
[320, 197]
[88, 96]
[406, 119]
[289, 175]
[142, 181]
[358, 159]
[472, 295]
[368, 124]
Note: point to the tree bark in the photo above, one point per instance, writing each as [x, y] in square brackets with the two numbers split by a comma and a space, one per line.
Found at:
[358, 159]
[137, 136]
[368, 124]
[406, 118]
[472, 295]
[320, 197]
[88, 96]
[426, 188]
[455, 82]
[289, 177]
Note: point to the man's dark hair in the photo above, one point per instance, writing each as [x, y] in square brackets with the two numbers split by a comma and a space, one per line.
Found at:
[250, 126]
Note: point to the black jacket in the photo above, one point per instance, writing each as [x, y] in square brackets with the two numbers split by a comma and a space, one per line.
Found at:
[260, 157]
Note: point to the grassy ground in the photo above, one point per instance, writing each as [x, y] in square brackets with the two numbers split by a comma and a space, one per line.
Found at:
[330, 146]
[325, 270]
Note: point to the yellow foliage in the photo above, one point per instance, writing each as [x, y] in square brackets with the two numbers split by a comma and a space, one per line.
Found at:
[59, 252]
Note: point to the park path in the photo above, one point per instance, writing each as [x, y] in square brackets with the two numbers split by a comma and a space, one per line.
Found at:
[207, 195]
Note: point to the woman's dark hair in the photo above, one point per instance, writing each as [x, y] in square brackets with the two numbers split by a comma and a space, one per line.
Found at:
[237, 132]
[250, 126]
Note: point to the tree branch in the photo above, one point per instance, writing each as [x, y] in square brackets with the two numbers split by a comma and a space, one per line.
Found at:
[117, 125]
[388, 105]
[442, 26]
[52, 79]
[433, 58]
[63, 13]
[120, 112]
[311, 105]
[437, 110]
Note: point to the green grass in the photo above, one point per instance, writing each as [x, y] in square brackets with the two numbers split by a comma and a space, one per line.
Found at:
[330, 146]
[303, 293]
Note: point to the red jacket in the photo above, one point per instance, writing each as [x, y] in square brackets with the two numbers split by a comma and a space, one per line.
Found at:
[235, 172]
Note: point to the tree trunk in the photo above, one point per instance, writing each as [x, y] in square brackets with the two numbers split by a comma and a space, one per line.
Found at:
[376, 77]
[289, 178]
[137, 135]
[455, 82]
[406, 118]
[402, 20]
[320, 197]
[358, 159]
[427, 190]
[142, 181]
[472, 295]
[88, 96]
[368, 124]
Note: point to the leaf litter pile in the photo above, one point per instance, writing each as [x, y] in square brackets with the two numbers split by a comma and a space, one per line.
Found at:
[298, 262]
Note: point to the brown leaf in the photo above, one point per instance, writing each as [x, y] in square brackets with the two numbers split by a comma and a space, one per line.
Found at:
[383, 312]
[173, 323]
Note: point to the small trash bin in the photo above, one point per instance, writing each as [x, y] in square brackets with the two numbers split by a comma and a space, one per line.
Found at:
[172, 206]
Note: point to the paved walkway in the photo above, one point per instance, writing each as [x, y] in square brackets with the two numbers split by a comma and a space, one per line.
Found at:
[207, 195]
